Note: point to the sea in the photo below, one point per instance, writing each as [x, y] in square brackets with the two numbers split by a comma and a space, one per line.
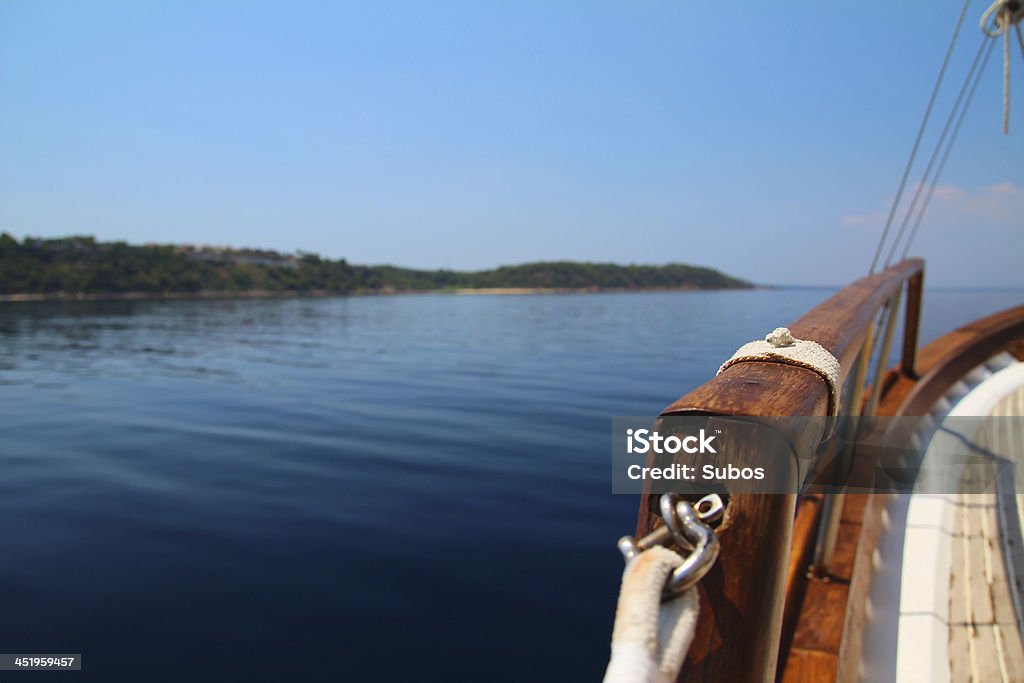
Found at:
[380, 488]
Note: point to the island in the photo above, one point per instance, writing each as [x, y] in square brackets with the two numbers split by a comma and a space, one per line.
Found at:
[82, 267]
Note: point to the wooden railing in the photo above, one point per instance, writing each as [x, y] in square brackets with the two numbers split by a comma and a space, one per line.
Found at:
[743, 597]
[952, 357]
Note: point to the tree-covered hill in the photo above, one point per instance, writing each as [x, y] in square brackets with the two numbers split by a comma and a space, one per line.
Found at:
[83, 266]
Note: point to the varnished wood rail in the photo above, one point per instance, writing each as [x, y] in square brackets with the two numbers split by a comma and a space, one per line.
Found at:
[743, 598]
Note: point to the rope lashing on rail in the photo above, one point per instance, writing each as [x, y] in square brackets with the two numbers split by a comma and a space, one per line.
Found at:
[997, 20]
[782, 347]
[650, 638]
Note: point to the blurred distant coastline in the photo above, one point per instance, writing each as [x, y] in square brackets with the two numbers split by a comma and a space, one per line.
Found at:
[80, 267]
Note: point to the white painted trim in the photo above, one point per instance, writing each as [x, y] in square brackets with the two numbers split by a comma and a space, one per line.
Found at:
[912, 564]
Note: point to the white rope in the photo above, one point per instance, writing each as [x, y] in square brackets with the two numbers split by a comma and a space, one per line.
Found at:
[999, 16]
[781, 347]
[651, 638]
[996, 21]
[1006, 84]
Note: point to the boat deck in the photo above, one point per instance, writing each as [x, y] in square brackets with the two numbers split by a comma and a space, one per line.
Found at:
[987, 568]
[984, 637]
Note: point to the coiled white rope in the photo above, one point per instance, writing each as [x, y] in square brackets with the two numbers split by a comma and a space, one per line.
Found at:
[651, 638]
[780, 346]
[999, 16]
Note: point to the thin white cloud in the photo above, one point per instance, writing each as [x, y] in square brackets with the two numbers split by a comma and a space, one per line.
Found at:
[864, 220]
[1000, 203]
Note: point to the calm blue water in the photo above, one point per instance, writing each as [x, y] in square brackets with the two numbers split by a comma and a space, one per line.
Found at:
[391, 488]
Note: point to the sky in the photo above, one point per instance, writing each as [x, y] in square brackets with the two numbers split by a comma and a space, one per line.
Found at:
[763, 139]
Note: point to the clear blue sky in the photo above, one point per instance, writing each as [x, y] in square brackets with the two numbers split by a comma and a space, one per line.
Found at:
[765, 139]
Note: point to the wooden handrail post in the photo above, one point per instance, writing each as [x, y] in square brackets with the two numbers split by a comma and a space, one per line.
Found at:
[912, 324]
[742, 598]
[883, 356]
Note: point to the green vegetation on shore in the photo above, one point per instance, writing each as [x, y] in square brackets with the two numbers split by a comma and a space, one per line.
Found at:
[83, 266]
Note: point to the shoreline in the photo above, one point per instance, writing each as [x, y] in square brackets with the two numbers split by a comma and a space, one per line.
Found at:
[319, 294]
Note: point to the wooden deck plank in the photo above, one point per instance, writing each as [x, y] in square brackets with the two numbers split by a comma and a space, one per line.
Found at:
[805, 528]
[985, 656]
[980, 596]
[1002, 600]
[985, 638]
[1000, 591]
[821, 623]
[845, 554]
[809, 666]
[853, 507]
[850, 650]
[959, 642]
[1013, 652]
[958, 611]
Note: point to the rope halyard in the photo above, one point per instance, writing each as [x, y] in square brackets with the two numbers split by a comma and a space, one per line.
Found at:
[1006, 84]
[995, 22]
[656, 616]
[1000, 15]
[650, 638]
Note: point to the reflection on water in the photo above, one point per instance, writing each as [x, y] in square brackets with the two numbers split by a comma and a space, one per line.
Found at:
[340, 489]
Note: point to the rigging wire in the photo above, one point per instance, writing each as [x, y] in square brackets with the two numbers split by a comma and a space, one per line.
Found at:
[920, 134]
[935, 152]
[1006, 72]
[949, 147]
